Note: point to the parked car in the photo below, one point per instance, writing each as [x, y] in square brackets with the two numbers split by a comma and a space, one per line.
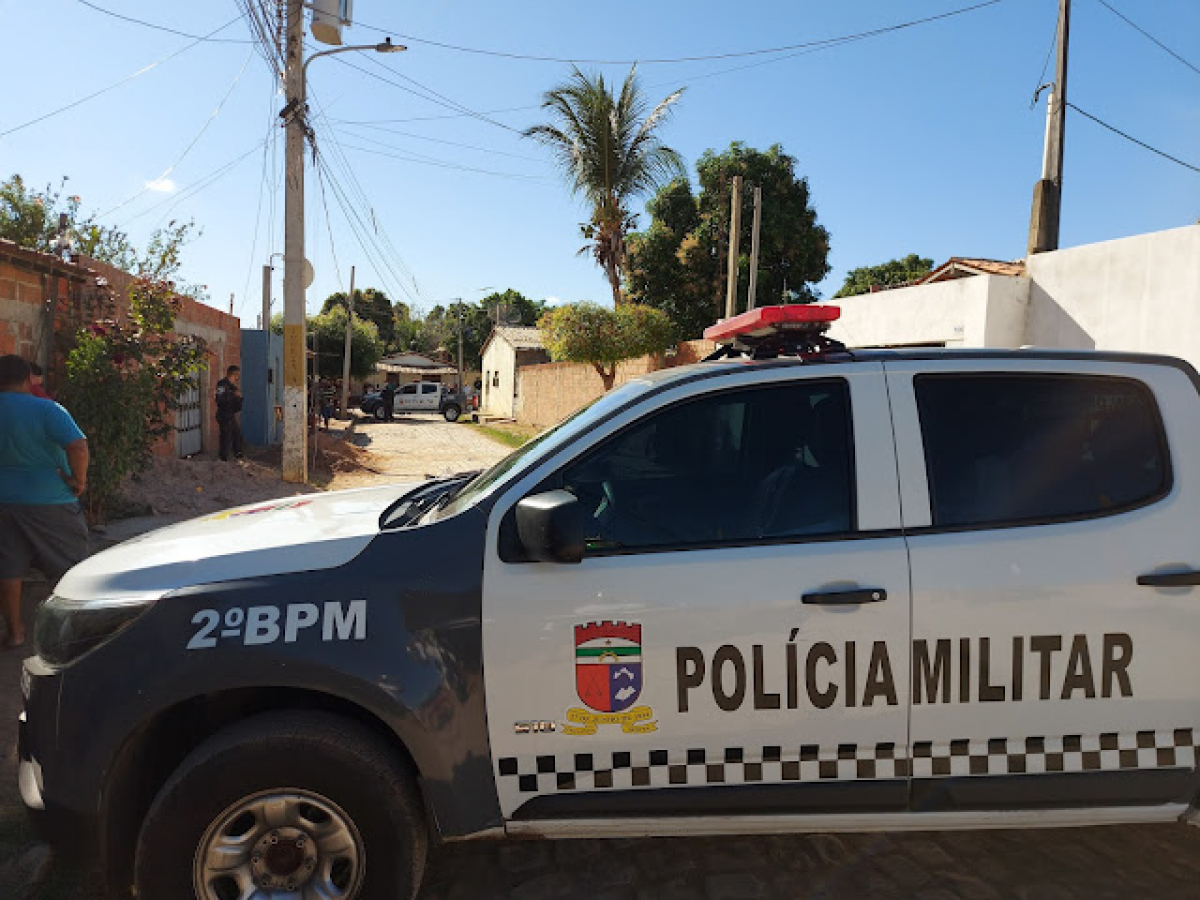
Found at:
[424, 396]
[799, 589]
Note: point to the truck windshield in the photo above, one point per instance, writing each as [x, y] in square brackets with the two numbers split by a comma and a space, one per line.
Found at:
[528, 455]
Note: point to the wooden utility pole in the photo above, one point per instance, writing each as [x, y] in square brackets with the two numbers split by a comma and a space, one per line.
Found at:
[735, 229]
[1047, 193]
[754, 238]
[346, 351]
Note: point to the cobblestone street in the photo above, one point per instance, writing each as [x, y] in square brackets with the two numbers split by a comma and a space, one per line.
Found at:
[1158, 861]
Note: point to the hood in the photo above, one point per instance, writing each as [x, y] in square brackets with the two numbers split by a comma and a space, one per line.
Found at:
[302, 533]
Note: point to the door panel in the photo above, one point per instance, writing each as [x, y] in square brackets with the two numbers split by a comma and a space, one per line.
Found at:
[716, 679]
[1043, 673]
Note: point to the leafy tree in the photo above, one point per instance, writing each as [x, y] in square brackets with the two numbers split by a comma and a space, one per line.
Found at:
[31, 219]
[892, 272]
[679, 263]
[609, 150]
[329, 330]
[373, 305]
[603, 337]
[123, 380]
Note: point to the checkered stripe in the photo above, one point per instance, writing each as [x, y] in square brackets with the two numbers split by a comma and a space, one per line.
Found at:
[850, 762]
[1070, 753]
[669, 768]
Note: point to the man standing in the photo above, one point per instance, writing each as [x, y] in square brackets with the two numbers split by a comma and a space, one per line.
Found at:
[43, 470]
[388, 399]
[229, 406]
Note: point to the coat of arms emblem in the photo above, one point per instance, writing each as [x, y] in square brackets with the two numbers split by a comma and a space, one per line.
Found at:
[608, 678]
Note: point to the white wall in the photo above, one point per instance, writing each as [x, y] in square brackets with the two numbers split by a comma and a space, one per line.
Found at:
[498, 398]
[980, 311]
[1137, 294]
[1140, 293]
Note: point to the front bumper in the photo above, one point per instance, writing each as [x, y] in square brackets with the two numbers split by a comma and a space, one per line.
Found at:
[70, 827]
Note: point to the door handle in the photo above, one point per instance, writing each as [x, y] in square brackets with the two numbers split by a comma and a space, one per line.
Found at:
[1170, 579]
[839, 598]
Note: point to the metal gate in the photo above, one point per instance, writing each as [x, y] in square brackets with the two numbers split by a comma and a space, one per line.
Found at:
[187, 423]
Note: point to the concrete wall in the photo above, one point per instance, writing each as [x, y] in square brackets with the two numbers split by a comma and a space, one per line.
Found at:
[499, 374]
[1140, 293]
[1137, 294]
[552, 391]
[980, 311]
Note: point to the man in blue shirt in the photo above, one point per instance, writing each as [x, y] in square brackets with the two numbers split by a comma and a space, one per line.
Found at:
[43, 470]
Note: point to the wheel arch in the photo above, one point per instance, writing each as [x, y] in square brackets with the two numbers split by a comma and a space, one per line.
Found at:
[155, 749]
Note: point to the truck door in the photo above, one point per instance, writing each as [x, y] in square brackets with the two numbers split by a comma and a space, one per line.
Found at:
[736, 637]
[430, 394]
[1035, 498]
[407, 397]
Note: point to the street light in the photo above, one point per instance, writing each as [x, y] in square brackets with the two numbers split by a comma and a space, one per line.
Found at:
[295, 393]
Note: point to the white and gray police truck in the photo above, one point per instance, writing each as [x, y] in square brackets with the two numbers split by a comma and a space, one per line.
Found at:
[792, 588]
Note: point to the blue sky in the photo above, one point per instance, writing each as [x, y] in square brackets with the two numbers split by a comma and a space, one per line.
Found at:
[920, 140]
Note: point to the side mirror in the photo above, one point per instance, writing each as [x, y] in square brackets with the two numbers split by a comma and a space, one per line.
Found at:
[551, 527]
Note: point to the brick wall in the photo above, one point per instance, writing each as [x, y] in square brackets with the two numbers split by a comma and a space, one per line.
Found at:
[25, 282]
[550, 392]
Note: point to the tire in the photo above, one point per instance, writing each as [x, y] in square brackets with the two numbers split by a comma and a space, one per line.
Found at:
[452, 413]
[317, 776]
[379, 412]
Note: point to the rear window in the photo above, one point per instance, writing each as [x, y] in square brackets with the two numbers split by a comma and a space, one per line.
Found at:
[1009, 449]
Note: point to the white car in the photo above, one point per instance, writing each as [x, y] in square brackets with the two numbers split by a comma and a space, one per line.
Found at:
[798, 589]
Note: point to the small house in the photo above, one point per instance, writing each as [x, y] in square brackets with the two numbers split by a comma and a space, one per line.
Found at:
[508, 348]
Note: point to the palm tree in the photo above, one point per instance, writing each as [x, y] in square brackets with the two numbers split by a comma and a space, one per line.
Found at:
[610, 152]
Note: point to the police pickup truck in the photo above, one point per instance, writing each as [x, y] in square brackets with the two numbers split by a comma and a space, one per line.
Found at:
[793, 588]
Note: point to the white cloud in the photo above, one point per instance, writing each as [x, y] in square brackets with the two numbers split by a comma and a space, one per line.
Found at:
[554, 301]
[161, 186]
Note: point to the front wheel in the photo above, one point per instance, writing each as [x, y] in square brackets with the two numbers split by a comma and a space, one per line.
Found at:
[452, 413]
[285, 805]
[379, 412]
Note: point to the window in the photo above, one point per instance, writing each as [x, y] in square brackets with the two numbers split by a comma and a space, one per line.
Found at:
[428, 388]
[738, 466]
[496, 378]
[408, 389]
[1003, 449]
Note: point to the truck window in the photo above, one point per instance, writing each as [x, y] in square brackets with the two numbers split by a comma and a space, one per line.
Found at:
[1018, 448]
[739, 466]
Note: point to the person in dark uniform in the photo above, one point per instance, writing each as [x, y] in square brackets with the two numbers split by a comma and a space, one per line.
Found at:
[229, 407]
[388, 397]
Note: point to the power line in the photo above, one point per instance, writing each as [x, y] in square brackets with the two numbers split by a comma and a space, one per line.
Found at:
[1148, 35]
[681, 59]
[117, 84]
[196, 186]
[1132, 139]
[1045, 65]
[422, 137]
[517, 176]
[188, 149]
[144, 23]
[490, 112]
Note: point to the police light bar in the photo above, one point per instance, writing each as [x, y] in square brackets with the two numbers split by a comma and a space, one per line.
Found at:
[771, 321]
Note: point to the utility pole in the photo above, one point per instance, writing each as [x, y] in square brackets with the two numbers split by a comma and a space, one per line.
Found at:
[346, 352]
[750, 303]
[266, 301]
[735, 228]
[1047, 193]
[295, 394]
[461, 392]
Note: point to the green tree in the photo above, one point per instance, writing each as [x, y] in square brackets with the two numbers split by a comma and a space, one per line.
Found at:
[679, 263]
[603, 337]
[31, 219]
[123, 379]
[892, 272]
[370, 304]
[329, 331]
[608, 148]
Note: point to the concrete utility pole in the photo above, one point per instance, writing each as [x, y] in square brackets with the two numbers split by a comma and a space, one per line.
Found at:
[295, 394]
[1047, 193]
[754, 235]
[460, 353]
[266, 300]
[346, 352]
[735, 228]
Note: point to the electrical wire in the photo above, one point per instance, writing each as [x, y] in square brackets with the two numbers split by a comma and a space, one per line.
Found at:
[188, 149]
[1132, 139]
[516, 176]
[681, 59]
[117, 84]
[422, 137]
[262, 188]
[1138, 28]
[196, 186]
[144, 23]
[1045, 65]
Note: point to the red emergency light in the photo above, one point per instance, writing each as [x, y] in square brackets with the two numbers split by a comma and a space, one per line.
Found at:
[765, 322]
